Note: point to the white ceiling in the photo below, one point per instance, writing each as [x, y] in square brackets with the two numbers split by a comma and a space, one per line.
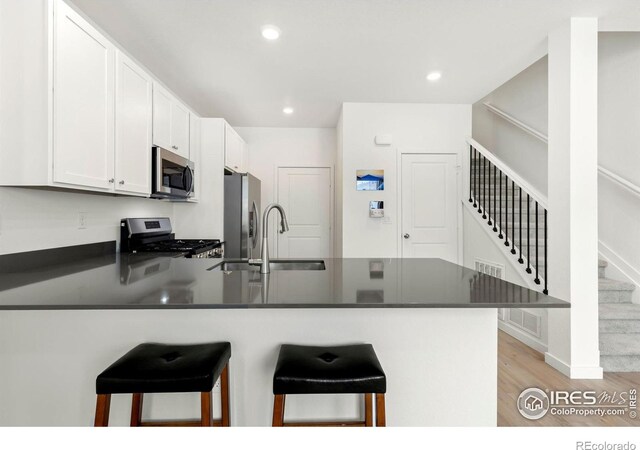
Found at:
[211, 52]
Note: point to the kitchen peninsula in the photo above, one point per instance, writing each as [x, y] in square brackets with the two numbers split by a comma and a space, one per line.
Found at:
[433, 325]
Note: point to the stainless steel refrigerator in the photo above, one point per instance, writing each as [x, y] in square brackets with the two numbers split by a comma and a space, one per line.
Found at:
[241, 216]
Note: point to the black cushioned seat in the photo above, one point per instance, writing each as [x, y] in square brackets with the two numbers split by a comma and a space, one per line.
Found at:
[165, 368]
[347, 369]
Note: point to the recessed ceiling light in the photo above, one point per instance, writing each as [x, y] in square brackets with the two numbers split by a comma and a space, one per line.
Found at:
[270, 32]
[434, 76]
[288, 110]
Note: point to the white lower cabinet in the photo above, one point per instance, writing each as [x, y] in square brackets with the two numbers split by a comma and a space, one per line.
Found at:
[133, 128]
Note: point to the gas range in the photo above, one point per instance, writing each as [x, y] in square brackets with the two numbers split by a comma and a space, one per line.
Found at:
[154, 235]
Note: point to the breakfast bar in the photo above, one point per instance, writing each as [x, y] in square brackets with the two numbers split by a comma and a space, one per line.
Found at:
[433, 325]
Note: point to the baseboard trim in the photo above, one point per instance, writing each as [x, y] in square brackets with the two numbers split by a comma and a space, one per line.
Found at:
[575, 373]
[557, 364]
[586, 373]
[522, 336]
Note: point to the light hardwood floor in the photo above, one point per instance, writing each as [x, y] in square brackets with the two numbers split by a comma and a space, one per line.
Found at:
[521, 367]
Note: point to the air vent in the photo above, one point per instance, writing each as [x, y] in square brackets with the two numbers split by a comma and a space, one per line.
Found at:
[525, 321]
[495, 270]
[490, 268]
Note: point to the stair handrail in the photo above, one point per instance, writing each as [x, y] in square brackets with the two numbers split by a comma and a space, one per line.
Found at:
[523, 126]
[628, 185]
[526, 186]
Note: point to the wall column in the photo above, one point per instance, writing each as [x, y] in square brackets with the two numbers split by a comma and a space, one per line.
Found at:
[573, 346]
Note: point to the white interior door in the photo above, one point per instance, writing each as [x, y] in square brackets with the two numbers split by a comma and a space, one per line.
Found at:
[429, 206]
[305, 195]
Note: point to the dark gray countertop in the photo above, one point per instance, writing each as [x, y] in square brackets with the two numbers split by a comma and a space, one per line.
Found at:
[165, 282]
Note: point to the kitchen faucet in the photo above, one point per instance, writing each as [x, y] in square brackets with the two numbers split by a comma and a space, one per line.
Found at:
[263, 262]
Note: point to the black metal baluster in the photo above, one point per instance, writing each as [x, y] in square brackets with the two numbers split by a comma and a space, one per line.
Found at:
[470, 172]
[495, 180]
[545, 290]
[513, 217]
[484, 188]
[506, 211]
[489, 194]
[528, 234]
[537, 279]
[475, 178]
[520, 260]
[500, 211]
[479, 185]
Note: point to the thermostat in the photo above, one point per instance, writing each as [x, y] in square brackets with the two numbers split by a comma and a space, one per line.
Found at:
[376, 209]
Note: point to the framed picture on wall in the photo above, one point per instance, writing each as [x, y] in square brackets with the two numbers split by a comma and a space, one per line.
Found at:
[370, 180]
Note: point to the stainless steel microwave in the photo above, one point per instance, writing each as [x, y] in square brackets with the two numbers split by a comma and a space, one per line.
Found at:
[172, 176]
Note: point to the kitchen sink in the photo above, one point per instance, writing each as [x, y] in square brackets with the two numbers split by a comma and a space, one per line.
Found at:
[275, 264]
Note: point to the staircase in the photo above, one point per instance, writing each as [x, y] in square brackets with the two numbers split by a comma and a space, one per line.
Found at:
[513, 210]
[619, 324]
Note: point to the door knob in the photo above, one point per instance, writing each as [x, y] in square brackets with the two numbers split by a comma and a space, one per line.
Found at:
[406, 236]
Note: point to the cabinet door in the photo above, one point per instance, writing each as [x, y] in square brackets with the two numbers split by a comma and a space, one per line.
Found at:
[180, 129]
[161, 117]
[244, 153]
[83, 117]
[232, 149]
[133, 127]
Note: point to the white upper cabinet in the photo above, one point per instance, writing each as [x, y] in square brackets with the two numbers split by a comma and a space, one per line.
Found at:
[161, 117]
[83, 117]
[180, 129]
[245, 157]
[233, 150]
[170, 122]
[133, 127]
[81, 114]
[194, 152]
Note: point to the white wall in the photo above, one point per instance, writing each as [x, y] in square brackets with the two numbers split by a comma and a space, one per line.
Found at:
[429, 128]
[525, 98]
[35, 219]
[337, 239]
[618, 138]
[270, 148]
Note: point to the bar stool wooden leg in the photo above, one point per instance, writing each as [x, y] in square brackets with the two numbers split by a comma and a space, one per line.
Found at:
[278, 410]
[224, 390]
[103, 404]
[136, 410]
[381, 418]
[206, 415]
[368, 410]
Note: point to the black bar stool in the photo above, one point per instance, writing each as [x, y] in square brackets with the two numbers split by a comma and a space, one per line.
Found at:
[153, 368]
[348, 369]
